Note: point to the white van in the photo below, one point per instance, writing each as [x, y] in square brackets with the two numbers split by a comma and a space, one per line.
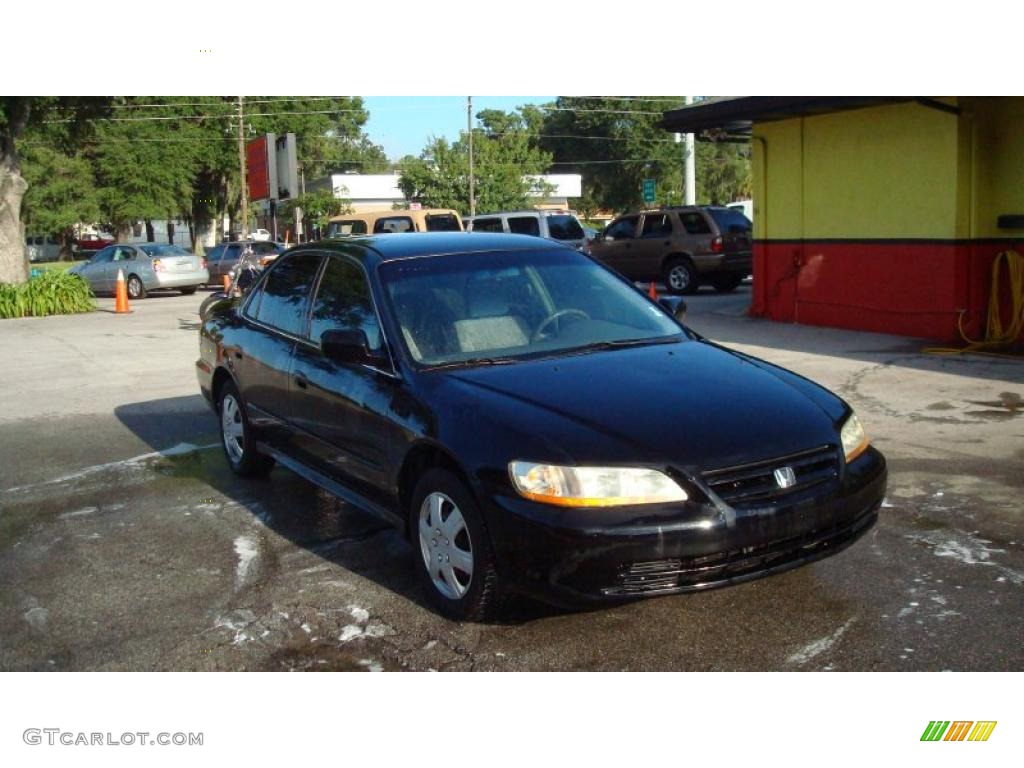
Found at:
[42, 248]
[562, 226]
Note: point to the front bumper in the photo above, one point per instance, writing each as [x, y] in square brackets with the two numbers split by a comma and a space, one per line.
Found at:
[558, 557]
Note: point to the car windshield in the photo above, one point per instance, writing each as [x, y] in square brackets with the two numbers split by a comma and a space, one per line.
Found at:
[480, 308]
[730, 220]
[159, 251]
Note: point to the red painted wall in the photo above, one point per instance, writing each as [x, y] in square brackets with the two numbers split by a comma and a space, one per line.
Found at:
[911, 288]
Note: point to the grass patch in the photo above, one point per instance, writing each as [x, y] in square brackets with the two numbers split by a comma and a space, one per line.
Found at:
[55, 292]
[53, 266]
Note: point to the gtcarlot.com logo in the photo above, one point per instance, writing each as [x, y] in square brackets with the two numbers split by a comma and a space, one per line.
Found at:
[958, 730]
[56, 736]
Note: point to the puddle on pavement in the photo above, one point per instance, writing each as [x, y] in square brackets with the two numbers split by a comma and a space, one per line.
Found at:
[324, 657]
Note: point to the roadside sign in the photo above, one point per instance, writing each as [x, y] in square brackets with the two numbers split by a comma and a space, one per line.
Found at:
[649, 191]
[415, 206]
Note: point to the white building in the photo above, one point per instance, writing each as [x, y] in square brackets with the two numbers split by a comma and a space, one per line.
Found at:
[374, 192]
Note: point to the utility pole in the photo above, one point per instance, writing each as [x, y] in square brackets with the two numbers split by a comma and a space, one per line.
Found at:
[469, 130]
[242, 170]
[690, 187]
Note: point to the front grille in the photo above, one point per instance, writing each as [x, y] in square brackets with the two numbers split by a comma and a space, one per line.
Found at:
[752, 484]
[677, 574]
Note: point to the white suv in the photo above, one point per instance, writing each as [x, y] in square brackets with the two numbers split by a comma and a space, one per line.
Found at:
[562, 226]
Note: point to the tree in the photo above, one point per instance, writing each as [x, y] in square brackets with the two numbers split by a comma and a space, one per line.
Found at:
[317, 207]
[61, 192]
[507, 165]
[617, 142]
[64, 120]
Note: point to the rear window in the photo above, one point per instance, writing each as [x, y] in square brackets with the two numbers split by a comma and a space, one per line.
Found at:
[346, 228]
[730, 220]
[565, 227]
[215, 253]
[524, 225]
[487, 225]
[394, 224]
[443, 222]
[161, 251]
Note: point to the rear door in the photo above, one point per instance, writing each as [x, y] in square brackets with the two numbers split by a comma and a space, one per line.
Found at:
[340, 411]
[653, 244]
[213, 262]
[275, 318]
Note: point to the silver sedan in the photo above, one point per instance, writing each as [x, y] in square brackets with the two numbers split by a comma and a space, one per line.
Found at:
[146, 267]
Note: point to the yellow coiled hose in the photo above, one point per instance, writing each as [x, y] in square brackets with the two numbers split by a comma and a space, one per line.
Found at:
[996, 337]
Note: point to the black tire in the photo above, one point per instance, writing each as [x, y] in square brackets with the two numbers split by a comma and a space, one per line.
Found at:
[136, 290]
[248, 462]
[483, 596]
[188, 291]
[680, 277]
[726, 283]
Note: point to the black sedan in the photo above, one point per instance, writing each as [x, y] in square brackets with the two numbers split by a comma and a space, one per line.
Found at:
[531, 421]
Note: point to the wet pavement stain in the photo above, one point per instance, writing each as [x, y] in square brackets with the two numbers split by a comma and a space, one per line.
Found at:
[1007, 406]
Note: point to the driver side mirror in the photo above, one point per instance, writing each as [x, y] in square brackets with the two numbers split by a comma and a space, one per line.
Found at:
[347, 346]
[675, 306]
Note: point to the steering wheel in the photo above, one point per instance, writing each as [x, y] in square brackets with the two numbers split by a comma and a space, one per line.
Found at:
[554, 317]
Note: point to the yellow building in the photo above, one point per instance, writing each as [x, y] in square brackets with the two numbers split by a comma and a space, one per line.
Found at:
[876, 213]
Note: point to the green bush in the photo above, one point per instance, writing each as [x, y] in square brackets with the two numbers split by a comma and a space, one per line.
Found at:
[53, 293]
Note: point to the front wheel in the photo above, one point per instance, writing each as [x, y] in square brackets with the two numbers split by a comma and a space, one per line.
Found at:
[681, 277]
[237, 437]
[452, 549]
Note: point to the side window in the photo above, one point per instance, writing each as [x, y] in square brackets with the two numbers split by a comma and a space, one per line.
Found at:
[443, 222]
[103, 256]
[695, 223]
[233, 252]
[524, 225]
[285, 294]
[656, 225]
[345, 228]
[565, 227]
[343, 303]
[487, 225]
[394, 224]
[623, 229]
[124, 254]
[215, 253]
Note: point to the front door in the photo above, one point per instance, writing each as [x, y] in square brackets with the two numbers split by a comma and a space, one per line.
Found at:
[653, 244]
[95, 271]
[340, 410]
[615, 248]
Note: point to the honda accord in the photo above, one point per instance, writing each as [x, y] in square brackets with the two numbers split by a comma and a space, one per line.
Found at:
[531, 421]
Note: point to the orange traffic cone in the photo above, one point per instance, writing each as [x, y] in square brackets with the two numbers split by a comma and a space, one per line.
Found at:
[121, 294]
[226, 281]
[653, 292]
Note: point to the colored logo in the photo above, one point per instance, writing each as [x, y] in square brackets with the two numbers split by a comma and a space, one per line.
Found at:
[958, 730]
[785, 477]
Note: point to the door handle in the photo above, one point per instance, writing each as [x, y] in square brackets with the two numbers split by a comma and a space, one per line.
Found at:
[300, 380]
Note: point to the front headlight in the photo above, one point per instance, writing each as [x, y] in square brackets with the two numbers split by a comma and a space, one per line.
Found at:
[593, 486]
[855, 440]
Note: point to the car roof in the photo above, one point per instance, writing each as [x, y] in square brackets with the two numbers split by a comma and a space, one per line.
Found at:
[545, 212]
[408, 245]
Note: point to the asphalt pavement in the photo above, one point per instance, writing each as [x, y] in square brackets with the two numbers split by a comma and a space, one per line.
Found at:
[126, 543]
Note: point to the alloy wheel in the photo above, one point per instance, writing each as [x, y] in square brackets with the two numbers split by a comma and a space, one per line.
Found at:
[445, 545]
[134, 287]
[679, 277]
[232, 428]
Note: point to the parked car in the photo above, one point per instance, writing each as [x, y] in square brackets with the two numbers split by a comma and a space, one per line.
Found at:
[684, 247]
[562, 226]
[89, 244]
[42, 248]
[223, 257]
[394, 221]
[260, 235]
[531, 421]
[146, 267]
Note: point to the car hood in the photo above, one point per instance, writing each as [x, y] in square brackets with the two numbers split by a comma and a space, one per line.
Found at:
[690, 404]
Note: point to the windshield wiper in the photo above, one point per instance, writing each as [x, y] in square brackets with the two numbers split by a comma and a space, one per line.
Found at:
[473, 362]
[620, 344]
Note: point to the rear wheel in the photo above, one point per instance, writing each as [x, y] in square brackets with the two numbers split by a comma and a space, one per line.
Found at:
[136, 290]
[453, 556]
[237, 437]
[680, 276]
[188, 291]
[726, 283]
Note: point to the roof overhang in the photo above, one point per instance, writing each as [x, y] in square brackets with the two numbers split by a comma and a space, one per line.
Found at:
[731, 117]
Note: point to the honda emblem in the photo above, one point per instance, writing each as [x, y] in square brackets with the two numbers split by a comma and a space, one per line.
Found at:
[785, 477]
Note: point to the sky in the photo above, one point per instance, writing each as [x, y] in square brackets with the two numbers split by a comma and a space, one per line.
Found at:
[404, 124]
